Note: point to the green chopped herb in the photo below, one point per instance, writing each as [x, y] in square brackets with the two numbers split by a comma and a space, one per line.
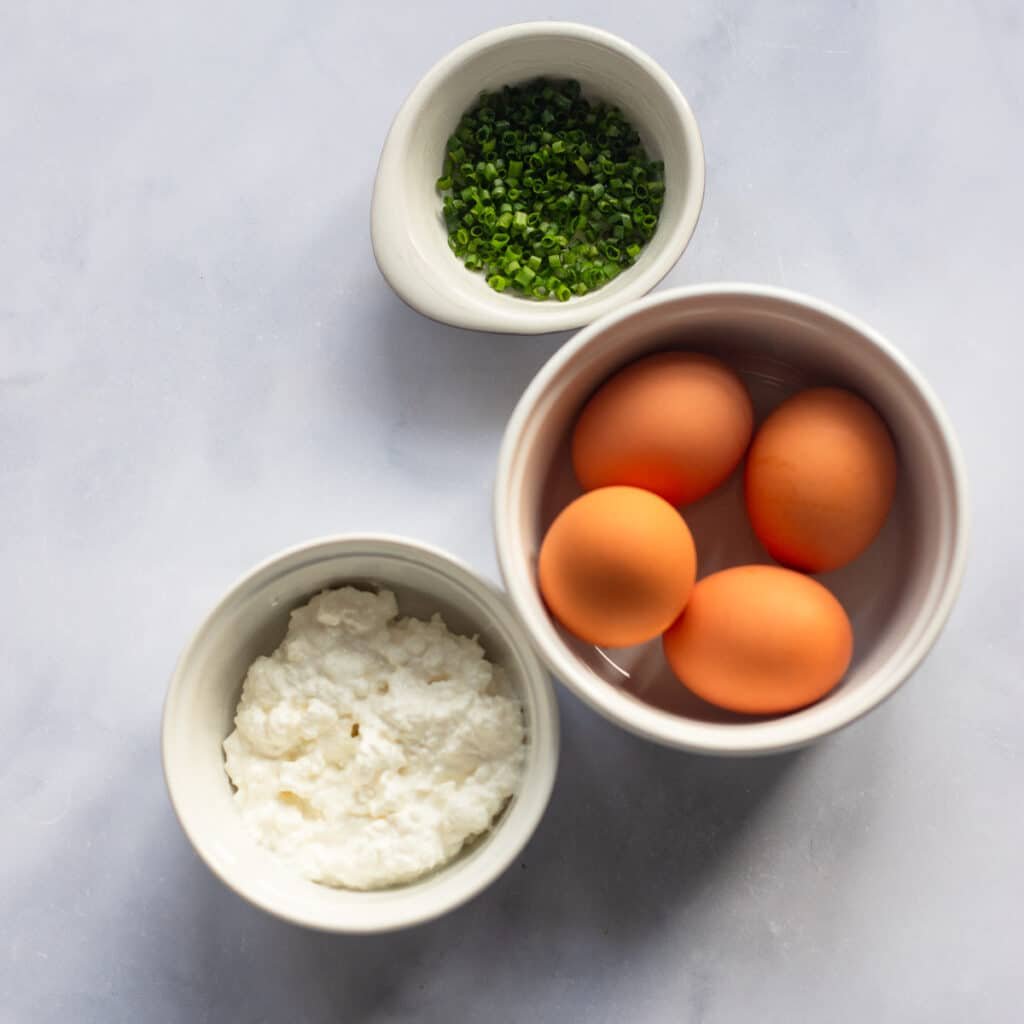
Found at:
[546, 193]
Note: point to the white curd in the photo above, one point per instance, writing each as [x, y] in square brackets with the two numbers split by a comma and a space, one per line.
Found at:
[369, 748]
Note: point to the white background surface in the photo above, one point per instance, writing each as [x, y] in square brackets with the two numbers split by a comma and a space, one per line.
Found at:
[199, 364]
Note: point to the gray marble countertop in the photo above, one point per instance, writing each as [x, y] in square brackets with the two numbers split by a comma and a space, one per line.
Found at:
[199, 364]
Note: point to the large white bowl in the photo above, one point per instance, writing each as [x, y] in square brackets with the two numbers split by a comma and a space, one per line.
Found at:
[251, 620]
[410, 242]
[898, 594]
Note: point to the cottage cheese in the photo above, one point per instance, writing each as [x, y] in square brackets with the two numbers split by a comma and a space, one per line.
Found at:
[367, 748]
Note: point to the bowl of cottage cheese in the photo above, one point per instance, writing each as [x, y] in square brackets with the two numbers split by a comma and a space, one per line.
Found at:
[360, 737]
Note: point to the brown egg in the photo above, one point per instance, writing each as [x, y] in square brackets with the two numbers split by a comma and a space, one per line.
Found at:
[675, 423]
[760, 640]
[820, 479]
[617, 566]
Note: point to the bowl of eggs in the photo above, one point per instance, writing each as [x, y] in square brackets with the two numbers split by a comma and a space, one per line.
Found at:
[732, 518]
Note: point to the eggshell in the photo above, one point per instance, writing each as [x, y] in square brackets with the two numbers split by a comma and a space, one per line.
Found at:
[760, 640]
[675, 423]
[617, 566]
[820, 479]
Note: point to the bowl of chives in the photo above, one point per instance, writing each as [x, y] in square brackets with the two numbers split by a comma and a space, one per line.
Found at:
[595, 161]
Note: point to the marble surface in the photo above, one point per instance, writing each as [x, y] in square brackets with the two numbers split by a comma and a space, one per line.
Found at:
[199, 364]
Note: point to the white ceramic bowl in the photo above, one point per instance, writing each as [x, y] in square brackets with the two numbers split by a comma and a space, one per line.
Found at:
[410, 242]
[898, 594]
[251, 620]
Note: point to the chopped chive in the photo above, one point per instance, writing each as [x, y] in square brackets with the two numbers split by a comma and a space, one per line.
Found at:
[547, 194]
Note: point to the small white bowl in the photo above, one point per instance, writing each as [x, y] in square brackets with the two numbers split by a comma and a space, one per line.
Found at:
[898, 594]
[251, 620]
[410, 242]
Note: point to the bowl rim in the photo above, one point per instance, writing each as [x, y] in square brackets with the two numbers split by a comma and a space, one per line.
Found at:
[387, 224]
[777, 735]
[493, 604]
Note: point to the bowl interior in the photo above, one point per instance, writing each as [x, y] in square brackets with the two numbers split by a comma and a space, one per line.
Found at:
[407, 200]
[891, 593]
[251, 621]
